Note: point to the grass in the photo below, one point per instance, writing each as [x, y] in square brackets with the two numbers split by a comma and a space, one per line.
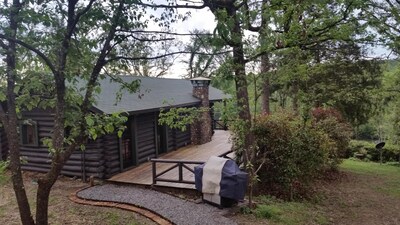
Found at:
[385, 178]
[2, 211]
[389, 172]
[112, 218]
[3, 177]
[279, 212]
[61, 209]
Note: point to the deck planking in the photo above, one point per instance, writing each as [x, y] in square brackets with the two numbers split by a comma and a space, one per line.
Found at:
[142, 174]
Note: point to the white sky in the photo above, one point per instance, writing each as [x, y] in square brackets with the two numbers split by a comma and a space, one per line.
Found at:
[204, 20]
[201, 20]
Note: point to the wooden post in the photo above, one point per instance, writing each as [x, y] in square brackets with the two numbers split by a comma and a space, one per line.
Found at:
[91, 181]
[180, 172]
[153, 164]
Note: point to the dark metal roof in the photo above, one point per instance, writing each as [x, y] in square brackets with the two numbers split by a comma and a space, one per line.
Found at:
[153, 94]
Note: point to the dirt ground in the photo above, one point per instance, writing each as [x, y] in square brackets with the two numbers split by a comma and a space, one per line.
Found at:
[61, 209]
[351, 199]
[358, 199]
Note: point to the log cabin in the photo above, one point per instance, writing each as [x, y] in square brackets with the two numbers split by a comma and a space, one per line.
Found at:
[144, 137]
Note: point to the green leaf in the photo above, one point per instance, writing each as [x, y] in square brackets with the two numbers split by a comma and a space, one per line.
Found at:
[2, 97]
[89, 121]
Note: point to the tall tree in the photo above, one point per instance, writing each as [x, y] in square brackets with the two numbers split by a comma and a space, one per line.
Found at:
[384, 17]
[63, 49]
[285, 24]
[347, 82]
[146, 46]
[202, 65]
[8, 116]
[299, 24]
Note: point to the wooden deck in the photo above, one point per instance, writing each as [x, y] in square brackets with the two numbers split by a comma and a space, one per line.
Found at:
[142, 174]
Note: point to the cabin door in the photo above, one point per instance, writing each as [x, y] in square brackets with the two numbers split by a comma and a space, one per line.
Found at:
[127, 151]
[146, 127]
[162, 139]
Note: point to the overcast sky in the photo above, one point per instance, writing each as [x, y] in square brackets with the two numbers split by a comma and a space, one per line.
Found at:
[201, 20]
[204, 20]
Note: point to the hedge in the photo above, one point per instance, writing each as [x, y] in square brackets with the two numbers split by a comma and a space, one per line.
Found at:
[366, 150]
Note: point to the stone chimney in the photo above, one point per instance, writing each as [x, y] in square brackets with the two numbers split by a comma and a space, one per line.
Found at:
[201, 130]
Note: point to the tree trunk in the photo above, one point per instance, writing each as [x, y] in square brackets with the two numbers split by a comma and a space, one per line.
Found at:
[58, 160]
[295, 97]
[10, 122]
[264, 67]
[235, 40]
[46, 183]
[241, 82]
[62, 154]
[15, 164]
[265, 94]
[42, 202]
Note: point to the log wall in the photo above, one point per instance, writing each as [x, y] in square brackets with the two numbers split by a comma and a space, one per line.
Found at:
[146, 126]
[178, 138]
[99, 159]
[37, 157]
[111, 155]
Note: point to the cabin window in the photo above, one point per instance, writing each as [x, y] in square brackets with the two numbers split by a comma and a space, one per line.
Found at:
[29, 134]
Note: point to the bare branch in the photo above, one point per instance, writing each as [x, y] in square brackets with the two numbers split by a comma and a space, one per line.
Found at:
[151, 40]
[33, 49]
[85, 10]
[334, 24]
[248, 23]
[161, 56]
[3, 45]
[161, 32]
[177, 6]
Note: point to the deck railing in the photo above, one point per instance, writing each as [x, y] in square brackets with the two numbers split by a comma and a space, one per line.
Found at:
[180, 164]
[220, 125]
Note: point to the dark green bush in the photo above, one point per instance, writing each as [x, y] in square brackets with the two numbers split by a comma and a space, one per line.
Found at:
[296, 152]
[367, 132]
[366, 150]
[339, 131]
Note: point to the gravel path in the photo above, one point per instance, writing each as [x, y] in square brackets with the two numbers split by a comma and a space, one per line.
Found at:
[179, 211]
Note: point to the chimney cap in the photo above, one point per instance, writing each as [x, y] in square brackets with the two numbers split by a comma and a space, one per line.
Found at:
[200, 81]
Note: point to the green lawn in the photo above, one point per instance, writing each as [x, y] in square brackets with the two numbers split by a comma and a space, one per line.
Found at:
[3, 177]
[61, 209]
[277, 212]
[389, 172]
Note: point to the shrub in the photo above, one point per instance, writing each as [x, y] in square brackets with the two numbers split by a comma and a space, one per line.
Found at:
[366, 150]
[339, 131]
[296, 152]
[320, 113]
[367, 132]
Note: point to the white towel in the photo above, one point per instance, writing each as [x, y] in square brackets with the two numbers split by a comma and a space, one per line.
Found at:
[212, 173]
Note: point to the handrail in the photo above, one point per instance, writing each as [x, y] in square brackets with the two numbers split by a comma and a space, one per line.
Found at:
[220, 124]
[180, 164]
[177, 163]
